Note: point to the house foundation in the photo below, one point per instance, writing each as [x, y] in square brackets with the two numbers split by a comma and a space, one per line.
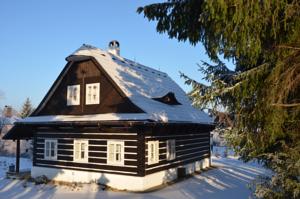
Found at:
[117, 181]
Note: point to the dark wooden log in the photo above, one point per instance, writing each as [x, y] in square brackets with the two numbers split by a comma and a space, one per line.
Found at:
[141, 154]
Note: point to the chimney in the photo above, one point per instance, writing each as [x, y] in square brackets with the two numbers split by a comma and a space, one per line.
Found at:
[7, 111]
[114, 47]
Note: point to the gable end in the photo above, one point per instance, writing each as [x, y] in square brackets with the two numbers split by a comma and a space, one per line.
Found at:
[81, 71]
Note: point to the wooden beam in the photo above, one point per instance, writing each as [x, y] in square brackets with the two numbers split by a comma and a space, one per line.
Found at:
[18, 156]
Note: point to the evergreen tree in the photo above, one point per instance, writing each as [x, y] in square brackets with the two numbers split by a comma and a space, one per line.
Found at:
[262, 93]
[26, 109]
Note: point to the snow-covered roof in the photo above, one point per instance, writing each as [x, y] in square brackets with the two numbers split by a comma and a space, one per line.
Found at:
[140, 84]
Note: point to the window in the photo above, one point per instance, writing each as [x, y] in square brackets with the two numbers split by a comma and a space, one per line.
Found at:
[169, 99]
[115, 152]
[171, 150]
[153, 152]
[50, 152]
[80, 150]
[73, 95]
[92, 95]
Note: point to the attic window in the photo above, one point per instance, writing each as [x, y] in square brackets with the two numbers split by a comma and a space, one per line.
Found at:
[169, 99]
[73, 95]
[92, 94]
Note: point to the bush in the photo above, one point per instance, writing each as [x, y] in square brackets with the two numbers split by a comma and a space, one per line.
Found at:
[41, 180]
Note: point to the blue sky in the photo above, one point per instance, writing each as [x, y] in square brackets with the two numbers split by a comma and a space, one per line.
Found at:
[36, 37]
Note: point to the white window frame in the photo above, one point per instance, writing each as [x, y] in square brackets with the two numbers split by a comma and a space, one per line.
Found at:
[112, 150]
[52, 146]
[153, 152]
[78, 157]
[92, 96]
[171, 149]
[73, 95]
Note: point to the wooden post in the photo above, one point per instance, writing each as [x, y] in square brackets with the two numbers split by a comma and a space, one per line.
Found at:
[18, 156]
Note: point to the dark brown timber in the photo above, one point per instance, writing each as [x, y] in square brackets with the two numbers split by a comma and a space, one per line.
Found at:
[18, 156]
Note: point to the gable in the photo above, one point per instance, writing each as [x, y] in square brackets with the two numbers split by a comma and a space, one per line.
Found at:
[81, 73]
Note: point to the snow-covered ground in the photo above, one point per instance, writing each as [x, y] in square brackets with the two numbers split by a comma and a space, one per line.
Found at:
[6, 161]
[229, 178]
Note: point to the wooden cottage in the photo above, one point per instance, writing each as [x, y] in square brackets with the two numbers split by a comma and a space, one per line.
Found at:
[111, 120]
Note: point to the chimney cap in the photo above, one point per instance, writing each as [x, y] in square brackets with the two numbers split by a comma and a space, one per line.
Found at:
[114, 47]
[114, 44]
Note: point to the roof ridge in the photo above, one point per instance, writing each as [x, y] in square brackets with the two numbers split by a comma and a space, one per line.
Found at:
[128, 62]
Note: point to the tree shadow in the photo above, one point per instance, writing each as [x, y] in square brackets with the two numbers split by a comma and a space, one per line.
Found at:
[19, 189]
[222, 182]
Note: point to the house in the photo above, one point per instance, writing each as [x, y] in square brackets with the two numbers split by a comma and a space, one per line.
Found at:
[111, 120]
[8, 147]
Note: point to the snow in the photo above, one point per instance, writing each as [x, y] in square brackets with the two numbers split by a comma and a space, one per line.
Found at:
[140, 84]
[8, 120]
[94, 117]
[227, 179]
[6, 161]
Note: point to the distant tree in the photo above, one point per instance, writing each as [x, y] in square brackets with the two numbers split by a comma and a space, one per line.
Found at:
[26, 109]
[263, 92]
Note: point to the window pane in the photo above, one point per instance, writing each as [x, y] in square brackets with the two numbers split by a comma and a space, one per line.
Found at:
[118, 152]
[89, 99]
[156, 151]
[118, 158]
[47, 149]
[111, 152]
[70, 91]
[75, 94]
[152, 152]
[168, 150]
[82, 150]
[52, 149]
[77, 150]
[171, 149]
[95, 93]
[118, 148]
[55, 148]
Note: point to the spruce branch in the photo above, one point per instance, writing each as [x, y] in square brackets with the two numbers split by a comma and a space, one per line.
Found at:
[286, 105]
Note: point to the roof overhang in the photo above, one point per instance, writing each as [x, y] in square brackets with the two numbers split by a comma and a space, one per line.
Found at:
[26, 130]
